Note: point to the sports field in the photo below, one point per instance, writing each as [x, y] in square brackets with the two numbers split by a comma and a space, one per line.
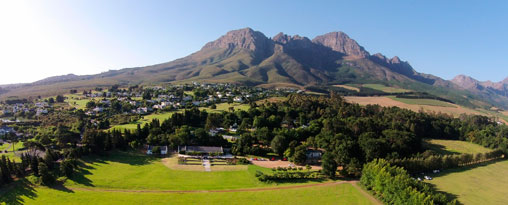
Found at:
[129, 178]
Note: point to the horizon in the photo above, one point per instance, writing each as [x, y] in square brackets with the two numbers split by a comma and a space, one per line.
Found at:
[90, 37]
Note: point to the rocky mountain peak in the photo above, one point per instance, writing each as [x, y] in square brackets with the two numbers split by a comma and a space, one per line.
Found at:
[466, 82]
[395, 60]
[340, 42]
[242, 38]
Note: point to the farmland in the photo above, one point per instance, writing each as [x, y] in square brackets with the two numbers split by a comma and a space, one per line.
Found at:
[385, 88]
[454, 110]
[430, 102]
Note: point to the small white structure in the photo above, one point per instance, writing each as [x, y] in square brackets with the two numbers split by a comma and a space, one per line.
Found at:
[149, 150]
[164, 149]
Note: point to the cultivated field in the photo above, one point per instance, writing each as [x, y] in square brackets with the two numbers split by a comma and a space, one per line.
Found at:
[430, 102]
[129, 178]
[385, 88]
[454, 147]
[454, 110]
[348, 87]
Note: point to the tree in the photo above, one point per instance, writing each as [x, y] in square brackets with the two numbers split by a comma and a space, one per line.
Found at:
[60, 99]
[46, 177]
[329, 165]
[300, 155]
[279, 145]
[67, 168]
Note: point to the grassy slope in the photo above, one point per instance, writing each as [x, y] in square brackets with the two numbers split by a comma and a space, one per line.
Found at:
[454, 147]
[337, 194]
[476, 185]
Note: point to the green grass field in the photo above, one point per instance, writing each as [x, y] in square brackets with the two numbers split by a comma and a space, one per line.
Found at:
[454, 147]
[335, 194]
[10, 154]
[140, 179]
[136, 171]
[385, 88]
[431, 102]
[487, 184]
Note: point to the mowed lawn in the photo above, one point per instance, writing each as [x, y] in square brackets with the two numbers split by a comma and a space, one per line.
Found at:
[487, 184]
[333, 194]
[123, 170]
[140, 179]
[454, 147]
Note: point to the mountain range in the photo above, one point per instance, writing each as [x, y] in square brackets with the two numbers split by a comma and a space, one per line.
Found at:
[249, 57]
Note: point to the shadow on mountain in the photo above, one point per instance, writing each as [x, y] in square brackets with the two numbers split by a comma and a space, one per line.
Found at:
[16, 191]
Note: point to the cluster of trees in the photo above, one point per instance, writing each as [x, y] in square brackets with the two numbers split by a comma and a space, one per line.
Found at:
[433, 162]
[393, 185]
[351, 135]
[8, 169]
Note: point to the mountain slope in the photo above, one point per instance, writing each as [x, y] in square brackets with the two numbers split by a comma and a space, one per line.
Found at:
[248, 57]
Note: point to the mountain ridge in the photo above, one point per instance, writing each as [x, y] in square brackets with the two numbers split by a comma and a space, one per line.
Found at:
[249, 57]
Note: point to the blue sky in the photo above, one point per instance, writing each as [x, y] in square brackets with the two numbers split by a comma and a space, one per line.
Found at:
[55, 37]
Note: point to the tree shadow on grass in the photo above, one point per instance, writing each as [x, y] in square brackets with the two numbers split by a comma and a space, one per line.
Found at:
[59, 186]
[14, 192]
[79, 177]
[440, 149]
[124, 157]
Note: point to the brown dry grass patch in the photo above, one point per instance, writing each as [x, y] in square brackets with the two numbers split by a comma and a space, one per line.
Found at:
[348, 87]
[387, 102]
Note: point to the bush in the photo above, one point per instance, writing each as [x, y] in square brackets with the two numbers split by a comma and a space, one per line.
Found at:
[243, 161]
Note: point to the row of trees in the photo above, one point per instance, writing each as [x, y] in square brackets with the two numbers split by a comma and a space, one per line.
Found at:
[433, 162]
[393, 185]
